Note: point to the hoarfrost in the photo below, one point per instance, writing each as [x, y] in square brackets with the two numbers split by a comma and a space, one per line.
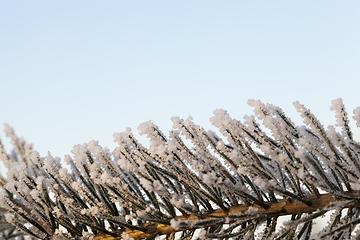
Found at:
[95, 211]
[125, 236]
[356, 116]
[175, 224]
[262, 183]
[176, 122]
[211, 178]
[63, 172]
[146, 184]
[177, 201]
[338, 107]
[88, 236]
[212, 174]
[106, 178]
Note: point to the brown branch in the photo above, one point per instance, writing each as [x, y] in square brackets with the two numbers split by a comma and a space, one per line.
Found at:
[38, 220]
[279, 208]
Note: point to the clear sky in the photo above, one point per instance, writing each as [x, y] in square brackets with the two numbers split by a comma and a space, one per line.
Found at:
[75, 71]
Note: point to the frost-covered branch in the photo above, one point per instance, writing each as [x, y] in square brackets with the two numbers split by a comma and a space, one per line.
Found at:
[233, 185]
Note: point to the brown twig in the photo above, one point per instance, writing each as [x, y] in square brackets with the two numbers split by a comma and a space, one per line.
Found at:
[279, 208]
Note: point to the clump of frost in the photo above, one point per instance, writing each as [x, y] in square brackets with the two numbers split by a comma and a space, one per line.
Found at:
[260, 182]
[87, 236]
[175, 224]
[242, 170]
[130, 217]
[126, 165]
[59, 235]
[179, 201]
[338, 106]
[76, 186]
[152, 132]
[211, 178]
[95, 148]
[63, 172]
[356, 116]
[56, 211]
[123, 137]
[259, 108]
[84, 211]
[176, 122]
[221, 119]
[125, 236]
[146, 184]
[106, 178]
[95, 211]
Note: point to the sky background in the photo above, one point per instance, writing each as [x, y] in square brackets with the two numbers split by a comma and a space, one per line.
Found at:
[75, 71]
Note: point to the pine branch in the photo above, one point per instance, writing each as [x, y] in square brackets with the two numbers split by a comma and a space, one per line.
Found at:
[227, 187]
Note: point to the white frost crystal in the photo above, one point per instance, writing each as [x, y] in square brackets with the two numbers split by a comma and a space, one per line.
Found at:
[175, 224]
[357, 116]
[125, 236]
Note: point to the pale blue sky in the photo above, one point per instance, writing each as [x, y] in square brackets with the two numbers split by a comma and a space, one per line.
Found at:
[74, 71]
